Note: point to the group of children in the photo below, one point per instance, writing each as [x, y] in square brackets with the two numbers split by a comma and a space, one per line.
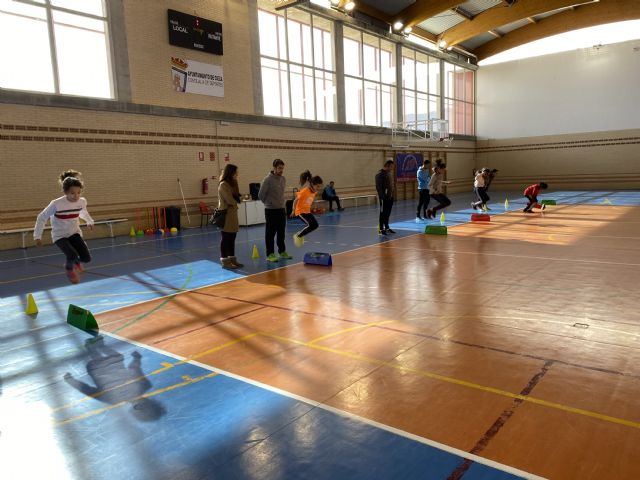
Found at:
[65, 212]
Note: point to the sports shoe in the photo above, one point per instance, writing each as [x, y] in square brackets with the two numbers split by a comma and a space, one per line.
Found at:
[272, 257]
[390, 231]
[297, 240]
[341, 209]
[382, 232]
[285, 256]
[473, 205]
[72, 275]
[79, 268]
[543, 206]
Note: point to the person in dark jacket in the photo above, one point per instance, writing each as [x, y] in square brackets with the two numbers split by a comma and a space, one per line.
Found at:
[385, 186]
[272, 195]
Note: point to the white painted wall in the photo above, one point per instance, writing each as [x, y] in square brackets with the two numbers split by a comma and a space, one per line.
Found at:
[581, 91]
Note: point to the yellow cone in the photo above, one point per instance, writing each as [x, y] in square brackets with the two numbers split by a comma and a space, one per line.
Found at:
[506, 204]
[32, 308]
[132, 232]
[442, 217]
[255, 253]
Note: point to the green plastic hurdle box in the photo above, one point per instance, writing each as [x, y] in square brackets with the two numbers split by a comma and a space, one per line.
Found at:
[435, 230]
[548, 202]
[81, 318]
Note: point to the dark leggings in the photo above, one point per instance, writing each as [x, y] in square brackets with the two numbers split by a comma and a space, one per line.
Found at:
[532, 203]
[443, 201]
[483, 197]
[228, 244]
[276, 219]
[75, 249]
[423, 203]
[311, 222]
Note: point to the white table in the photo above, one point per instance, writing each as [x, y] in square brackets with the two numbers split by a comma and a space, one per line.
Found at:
[251, 212]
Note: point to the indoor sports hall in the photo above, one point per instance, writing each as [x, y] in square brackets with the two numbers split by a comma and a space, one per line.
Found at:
[489, 339]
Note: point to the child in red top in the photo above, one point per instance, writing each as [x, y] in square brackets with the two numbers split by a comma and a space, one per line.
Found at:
[531, 192]
[302, 205]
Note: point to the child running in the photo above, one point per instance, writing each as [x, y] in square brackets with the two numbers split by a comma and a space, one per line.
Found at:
[436, 189]
[65, 213]
[531, 192]
[302, 205]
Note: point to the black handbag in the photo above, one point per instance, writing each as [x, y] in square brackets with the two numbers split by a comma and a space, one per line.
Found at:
[219, 216]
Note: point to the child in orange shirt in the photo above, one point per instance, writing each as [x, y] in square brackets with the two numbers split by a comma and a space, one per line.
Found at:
[302, 205]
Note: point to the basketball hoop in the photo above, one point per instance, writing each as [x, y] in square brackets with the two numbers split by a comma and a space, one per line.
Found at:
[421, 133]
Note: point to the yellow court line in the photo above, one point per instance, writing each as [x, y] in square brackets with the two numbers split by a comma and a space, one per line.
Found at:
[98, 411]
[347, 330]
[463, 383]
[165, 366]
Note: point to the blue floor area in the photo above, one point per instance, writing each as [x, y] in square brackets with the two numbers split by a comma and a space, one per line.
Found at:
[105, 408]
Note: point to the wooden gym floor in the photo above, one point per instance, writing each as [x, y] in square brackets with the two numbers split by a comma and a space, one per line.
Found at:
[515, 341]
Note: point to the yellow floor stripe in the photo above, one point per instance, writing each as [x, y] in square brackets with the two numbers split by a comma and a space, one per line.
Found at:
[98, 411]
[462, 383]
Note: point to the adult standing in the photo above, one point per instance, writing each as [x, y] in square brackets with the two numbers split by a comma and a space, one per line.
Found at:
[228, 199]
[423, 188]
[386, 195]
[271, 193]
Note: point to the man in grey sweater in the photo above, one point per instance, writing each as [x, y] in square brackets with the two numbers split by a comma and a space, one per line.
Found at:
[272, 195]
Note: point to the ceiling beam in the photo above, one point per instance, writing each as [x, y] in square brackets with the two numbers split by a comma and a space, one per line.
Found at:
[499, 16]
[421, 10]
[605, 11]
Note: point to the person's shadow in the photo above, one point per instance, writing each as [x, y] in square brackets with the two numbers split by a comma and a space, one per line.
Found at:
[115, 383]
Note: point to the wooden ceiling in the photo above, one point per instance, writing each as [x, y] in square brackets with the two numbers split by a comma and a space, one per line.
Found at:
[487, 27]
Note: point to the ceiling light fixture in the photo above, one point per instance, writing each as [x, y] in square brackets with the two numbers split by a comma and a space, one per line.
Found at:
[349, 6]
[442, 44]
[398, 26]
[407, 30]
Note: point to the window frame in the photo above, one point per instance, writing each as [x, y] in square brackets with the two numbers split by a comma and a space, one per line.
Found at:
[289, 67]
[49, 10]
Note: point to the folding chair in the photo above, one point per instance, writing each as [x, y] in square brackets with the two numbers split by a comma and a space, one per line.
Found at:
[205, 212]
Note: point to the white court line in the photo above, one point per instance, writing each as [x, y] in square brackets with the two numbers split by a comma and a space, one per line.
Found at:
[342, 413]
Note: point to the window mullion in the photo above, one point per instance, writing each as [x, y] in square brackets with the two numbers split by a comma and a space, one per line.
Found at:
[313, 70]
[52, 48]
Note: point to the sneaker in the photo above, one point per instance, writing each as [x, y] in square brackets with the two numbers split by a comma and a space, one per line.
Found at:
[390, 231]
[543, 206]
[341, 209]
[72, 275]
[297, 240]
[79, 268]
[272, 257]
[382, 232]
[331, 209]
[285, 256]
[473, 205]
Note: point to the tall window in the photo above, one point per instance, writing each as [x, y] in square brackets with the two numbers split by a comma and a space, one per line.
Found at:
[420, 87]
[370, 79]
[298, 73]
[459, 100]
[55, 46]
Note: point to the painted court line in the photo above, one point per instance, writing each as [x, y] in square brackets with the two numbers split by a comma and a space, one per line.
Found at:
[316, 404]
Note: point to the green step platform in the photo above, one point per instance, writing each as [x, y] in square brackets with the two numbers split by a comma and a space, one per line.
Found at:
[548, 202]
[435, 230]
[81, 318]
